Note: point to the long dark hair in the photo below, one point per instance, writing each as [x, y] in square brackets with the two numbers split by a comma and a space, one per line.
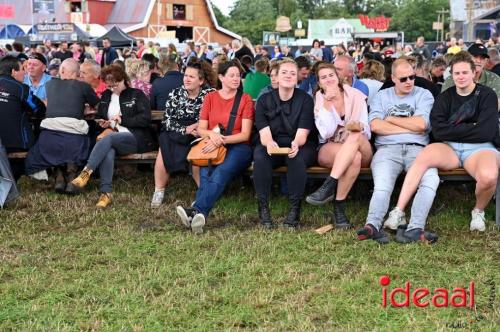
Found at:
[205, 71]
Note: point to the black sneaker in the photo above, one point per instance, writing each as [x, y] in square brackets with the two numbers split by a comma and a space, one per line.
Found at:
[370, 232]
[415, 235]
[186, 215]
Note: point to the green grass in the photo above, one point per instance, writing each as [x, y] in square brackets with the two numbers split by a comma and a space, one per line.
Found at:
[66, 266]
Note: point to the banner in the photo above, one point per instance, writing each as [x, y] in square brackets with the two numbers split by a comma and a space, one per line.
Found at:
[43, 7]
[55, 28]
[6, 11]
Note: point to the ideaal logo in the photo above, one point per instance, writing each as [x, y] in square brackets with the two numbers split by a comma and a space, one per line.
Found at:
[458, 297]
[423, 297]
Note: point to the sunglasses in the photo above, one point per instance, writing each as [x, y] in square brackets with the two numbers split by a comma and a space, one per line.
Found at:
[404, 79]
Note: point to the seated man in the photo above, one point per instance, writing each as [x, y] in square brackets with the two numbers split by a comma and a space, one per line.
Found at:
[36, 78]
[17, 103]
[346, 69]
[399, 117]
[64, 140]
[90, 72]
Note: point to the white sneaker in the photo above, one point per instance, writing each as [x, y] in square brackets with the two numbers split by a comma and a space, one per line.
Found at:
[186, 215]
[396, 218]
[157, 199]
[477, 222]
[197, 223]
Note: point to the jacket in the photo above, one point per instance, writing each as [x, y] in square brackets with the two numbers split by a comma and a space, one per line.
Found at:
[136, 115]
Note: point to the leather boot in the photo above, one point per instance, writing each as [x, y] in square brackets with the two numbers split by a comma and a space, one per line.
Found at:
[264, 213]
[293, 217]
[325, 193]
[339, 219]
[72, 171]
[60, 183]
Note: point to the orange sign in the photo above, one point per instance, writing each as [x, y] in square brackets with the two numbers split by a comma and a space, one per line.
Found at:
[379, 23]
[6, 11]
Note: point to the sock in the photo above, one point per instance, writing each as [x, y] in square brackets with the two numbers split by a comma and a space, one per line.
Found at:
[160, 190]
[339, 203]
[88, 170]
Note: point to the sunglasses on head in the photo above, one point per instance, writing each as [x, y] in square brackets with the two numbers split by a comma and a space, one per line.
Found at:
[404, 79]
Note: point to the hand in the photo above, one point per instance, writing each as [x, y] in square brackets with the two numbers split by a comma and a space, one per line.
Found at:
[191, 128]
[209, 147]
[103, 123]
[294, 150]
[117, 118]
[216, 139]
[271, 145]
[354, 126]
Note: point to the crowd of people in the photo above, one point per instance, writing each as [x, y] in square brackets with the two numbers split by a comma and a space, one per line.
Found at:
[74, 108]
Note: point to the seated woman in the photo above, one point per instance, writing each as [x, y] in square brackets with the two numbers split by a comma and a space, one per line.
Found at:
[342, 120]
[466, 140]
[140, 75]
[216, 111]
[180, 126]
[284, 118]
[127, 111]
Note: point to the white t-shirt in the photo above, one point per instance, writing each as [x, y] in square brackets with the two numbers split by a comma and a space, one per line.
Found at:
[373, 87]
[114, 110]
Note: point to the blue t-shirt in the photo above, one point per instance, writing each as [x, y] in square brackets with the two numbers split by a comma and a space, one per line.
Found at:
[386, 103]
[38, 91]
[357, 84]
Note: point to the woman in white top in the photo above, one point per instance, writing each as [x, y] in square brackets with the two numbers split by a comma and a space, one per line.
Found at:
[341, 118]
[128, 112]
[373, 75]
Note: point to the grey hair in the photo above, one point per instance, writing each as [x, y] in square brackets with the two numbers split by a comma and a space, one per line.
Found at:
[96, 67]
[352, 62]
[494, 55]
[71, 65]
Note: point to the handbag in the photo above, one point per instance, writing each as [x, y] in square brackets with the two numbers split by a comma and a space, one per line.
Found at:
[197, 158]
[466, 111]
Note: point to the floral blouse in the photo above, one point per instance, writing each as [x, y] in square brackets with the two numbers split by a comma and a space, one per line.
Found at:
[143, 86]
[180, 111]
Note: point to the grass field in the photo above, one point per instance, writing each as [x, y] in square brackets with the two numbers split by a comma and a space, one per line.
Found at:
[66, 266]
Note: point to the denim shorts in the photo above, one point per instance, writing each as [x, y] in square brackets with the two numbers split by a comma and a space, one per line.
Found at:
[465, 150]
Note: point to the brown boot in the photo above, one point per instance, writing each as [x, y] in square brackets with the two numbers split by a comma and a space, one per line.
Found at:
[60, 183]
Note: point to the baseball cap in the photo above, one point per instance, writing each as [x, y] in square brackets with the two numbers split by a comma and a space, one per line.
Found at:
[478, 50]
[38, 56]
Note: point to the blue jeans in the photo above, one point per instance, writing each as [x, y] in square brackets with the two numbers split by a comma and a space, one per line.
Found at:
[103, 156]
[388, 162]
[238, 158]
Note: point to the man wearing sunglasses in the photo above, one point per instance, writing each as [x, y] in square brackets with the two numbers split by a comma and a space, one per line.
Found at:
[399, 117]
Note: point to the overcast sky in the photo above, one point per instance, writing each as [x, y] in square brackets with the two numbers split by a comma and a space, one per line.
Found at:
[224, 5]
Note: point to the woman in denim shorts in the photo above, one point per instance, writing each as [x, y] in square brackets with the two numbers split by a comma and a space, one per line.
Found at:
[464, 120]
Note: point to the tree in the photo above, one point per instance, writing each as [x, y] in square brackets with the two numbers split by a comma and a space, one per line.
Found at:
[415, 18]
[250, 18]
[221, 18]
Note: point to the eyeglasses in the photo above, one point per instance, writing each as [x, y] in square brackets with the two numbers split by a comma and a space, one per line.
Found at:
[404, 79]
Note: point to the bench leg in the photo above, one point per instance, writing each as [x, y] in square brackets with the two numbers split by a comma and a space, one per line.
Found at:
[497, 204]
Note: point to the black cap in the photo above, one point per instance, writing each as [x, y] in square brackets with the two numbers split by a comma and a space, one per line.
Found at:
[38, 56]
[478, 50]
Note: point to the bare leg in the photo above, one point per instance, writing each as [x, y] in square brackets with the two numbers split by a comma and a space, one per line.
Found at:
[362, 158]
[437, 155]
[346, 154]
[196, 175]
[161, 174]
[483, 167]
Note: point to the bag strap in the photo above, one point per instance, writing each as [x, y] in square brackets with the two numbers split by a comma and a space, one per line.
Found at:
[234, 112]
[284, 118]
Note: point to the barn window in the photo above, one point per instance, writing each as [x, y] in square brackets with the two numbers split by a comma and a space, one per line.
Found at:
[179, 12]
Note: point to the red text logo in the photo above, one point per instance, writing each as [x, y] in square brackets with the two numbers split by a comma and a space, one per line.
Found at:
[423, 297]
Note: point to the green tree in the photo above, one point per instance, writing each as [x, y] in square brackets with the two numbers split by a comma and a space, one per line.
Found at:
[249, 18]
[415, 18]
[221, 18]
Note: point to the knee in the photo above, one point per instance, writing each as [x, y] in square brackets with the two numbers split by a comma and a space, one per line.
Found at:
[324, 159]
[487, 178]
[430, 179]
[354, 137]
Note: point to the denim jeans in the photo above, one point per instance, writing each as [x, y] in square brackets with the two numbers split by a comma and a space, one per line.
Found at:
[103, 156]
[238, 158]
[388, 162]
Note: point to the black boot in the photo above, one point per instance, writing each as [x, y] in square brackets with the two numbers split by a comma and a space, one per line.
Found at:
[264, 214]
[339, 219]
[72, 171]
[293, 217]
[325, 193]
[60, 183]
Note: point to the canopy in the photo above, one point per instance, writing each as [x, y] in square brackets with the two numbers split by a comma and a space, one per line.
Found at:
[11, 31]
[117, 37]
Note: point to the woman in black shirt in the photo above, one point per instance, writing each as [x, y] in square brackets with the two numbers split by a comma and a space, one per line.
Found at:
[284, 118]
[465, 120]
